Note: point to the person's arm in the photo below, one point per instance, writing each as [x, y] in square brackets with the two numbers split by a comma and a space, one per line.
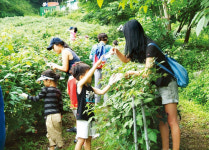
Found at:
[121, 56]
[88, 75]
[41, 95]
[150, 61]
[103, 91]
[149, 64]
[66, 56]
[113, 79]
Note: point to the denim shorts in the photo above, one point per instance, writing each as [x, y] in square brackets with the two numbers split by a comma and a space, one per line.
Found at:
[169, 94]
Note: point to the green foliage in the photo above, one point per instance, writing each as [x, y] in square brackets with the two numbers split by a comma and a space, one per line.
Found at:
[10, 8]
[54, 14]
[15, 8]
[202, 17]
[23, 56]
[118, 118]
[110, 13]
[198, 90]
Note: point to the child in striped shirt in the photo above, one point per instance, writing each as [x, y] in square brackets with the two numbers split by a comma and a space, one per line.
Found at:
[53, 107]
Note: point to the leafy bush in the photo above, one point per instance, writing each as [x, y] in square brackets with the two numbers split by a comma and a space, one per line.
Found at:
[15, 8]
[110, 13]
[117, 123]
[54, 14]
[198, 89]
[23, 56]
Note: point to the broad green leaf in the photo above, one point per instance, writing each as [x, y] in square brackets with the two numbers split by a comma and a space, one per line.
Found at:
[12, 102]
[100, 2]
[139, 120]
[152, 135]
[205, 3]
[200, 25]
[145, 8]
[147, 100]
[206, 20]
[9, 75]
[171, 1]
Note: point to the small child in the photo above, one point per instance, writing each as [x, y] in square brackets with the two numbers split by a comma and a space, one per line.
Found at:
[86, 100]
[71, 90]
[73, 31]
[53, 107]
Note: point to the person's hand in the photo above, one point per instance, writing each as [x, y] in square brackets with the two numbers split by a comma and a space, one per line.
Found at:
[111, 52]
[52, 65]
[120, 28]
[114, 51]
[24, 96]
[130, 73]
[114, 78]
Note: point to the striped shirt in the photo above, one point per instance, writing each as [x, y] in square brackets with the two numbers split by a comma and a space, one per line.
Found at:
[52, 100]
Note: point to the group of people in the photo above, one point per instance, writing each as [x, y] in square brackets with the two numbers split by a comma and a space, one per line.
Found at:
[82, 94]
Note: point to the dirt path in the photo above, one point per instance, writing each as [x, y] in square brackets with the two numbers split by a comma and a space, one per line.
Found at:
[194, 136]
[194, 126]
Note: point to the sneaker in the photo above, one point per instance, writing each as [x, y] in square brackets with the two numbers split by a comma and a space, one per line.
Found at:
[72, 130]
[75, 141]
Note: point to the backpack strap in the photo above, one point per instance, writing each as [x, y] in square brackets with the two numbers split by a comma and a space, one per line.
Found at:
[159, 64]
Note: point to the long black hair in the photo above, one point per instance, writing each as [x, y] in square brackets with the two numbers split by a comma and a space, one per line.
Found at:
[136, 41]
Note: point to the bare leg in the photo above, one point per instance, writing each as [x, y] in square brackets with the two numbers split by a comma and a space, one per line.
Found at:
[51, 148]
[87, 145]
[164, 131]
[79, 144]
[171, 110]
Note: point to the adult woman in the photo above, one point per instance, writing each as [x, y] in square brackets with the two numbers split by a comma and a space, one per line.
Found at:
[137, 50]
[69, 57]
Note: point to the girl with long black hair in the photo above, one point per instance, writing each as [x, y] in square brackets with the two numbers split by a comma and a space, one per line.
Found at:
[137, 49]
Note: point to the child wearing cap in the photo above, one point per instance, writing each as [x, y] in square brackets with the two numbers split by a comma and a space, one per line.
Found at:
[53, 107]
[73, 32]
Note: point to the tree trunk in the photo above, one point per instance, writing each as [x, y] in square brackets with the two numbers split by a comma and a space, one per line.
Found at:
[186, 40]
[189, 27]
[182, 23]
[167, 16]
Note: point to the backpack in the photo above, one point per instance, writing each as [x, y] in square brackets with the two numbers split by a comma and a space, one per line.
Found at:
[98, 53]
[179, 72]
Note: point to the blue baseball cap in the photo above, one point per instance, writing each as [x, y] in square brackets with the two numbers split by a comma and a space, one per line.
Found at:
[53, 41]
[70, 28]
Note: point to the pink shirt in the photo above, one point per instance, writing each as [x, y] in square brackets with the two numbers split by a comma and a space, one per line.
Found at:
[72, 35]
